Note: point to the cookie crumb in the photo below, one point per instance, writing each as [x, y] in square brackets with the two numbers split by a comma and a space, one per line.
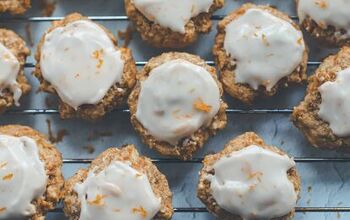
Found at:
[59, 136]
[48, 102]
[48, 7]
[29, 35]
[89, 148]
[126, 35]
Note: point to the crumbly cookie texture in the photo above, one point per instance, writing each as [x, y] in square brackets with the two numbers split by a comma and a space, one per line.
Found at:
[328, 35]
[186, 147]
[159, 36]
[18, 47]
[240, 142]
[14, 6]
[115, 96]
[52, 160]
[227, 66]
[305, 116]
[144, 165]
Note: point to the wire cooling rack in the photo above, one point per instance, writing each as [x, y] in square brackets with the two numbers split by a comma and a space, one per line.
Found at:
[36, 112]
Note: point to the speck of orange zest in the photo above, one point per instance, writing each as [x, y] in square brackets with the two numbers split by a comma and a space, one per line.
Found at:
[98, 201]
[8, 176]
[255, 175]
[100, 63]
[2, 209]
[97, 54]
[264, 39]
[300, 41]
[141, 211]
[202, 106]
[3, 164]
[6, 56]
[322, 4]
[252, 187]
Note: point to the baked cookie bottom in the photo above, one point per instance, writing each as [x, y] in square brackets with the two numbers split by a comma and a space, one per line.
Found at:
[305, 116]
[14, 6]
[160, 36]
[238, 143]
[52, 160]
[328, 35]
[142, 164]
[18, 47]
[115, 96]
[227, 65]
[186, 147]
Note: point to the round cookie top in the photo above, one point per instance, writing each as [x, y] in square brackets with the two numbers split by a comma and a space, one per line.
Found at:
[81, 62]
[335, 104]
[9, 67]
[177, 99]
[264, 47]
[172, 14]
[117, 192]
[327, 13]
[253, 183]
[23, 176]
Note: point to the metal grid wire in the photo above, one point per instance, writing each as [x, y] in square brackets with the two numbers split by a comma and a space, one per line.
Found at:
[169, 160]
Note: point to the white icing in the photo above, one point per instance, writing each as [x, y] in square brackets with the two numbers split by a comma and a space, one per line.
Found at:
[266, 48]
[9, 68]
[81, 62]
[169, 96]
[335, 105]
[327, 12]
[22, 177]
[253, 183]
[117, 192]
[172, 14]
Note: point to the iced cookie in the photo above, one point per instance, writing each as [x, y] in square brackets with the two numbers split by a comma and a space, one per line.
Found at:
[172, 24]
[13, 83]
[176, 105]
[249, 180]
[324, 114]
[30, 174]
[119, 184]
[259, 49]
[79, 61]
[326, 20]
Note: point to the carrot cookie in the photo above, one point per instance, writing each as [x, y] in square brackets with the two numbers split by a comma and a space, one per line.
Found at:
[324, 114]
[327, 20]
[249, 180]
[13, 83]
[177, 104]
[259, 49]
[14, 6]
[172, 24]
[119, 184]
[80, 61]
[30, 174]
